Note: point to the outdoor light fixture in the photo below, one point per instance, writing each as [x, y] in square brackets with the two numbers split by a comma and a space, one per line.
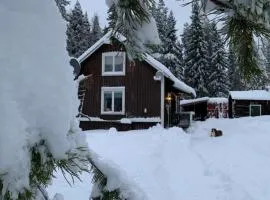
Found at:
[169, 97]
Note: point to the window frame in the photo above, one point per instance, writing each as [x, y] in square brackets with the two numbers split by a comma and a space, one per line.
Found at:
[113, 90]
[255, 105]
[114, 54]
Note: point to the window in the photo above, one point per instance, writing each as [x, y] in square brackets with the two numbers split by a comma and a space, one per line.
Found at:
[113, 100]
[255, 110]
[113, 64]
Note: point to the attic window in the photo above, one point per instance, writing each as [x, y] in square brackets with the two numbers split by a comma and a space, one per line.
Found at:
[113, 63]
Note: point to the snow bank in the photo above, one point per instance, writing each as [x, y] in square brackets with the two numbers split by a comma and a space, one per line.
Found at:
[170, 164]
[38, 95]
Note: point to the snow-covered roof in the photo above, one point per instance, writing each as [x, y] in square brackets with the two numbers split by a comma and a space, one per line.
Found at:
[218, 100]
[213, 100]
[250, 95]
[193, 101]
[149, 59]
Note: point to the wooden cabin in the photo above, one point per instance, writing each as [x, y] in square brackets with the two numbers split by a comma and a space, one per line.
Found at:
[206, 107]
[123, 93]
[249, 103]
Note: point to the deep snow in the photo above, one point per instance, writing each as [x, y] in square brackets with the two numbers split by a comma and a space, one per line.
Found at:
[170, 164]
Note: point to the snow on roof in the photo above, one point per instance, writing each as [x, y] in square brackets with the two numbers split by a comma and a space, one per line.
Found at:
[193, 101]
[149, 59]
[167, 73]
[216, 100]
[250, 95]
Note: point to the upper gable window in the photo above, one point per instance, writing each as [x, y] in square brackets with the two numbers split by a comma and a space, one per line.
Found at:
[113, 63]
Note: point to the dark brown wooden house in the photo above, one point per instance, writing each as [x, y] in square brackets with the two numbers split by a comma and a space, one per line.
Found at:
[249, 103]
[117, 92]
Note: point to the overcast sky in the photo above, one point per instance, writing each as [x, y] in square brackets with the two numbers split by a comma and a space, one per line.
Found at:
[99, 6]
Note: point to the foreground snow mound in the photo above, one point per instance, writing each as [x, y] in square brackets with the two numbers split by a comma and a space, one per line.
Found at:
[38, 96]
[170, 164]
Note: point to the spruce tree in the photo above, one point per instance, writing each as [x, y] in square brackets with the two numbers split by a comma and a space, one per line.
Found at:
[78, 32]
[234, 75]
[218, 80]
[112, 17]
[169, 52]
[61, 4]
[266, 53]
[161, 19]
[96, 32]
[195, 54]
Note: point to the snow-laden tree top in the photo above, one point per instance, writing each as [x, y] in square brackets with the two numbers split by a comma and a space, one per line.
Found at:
[38, 96]
[242, 20]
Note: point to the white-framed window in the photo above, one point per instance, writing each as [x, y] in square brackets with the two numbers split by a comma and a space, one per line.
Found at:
[113, 64]
[255, 110]
[113, 100]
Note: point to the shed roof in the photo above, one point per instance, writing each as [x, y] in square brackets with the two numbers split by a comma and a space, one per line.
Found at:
[178, 84]
[213, 100]
[250, 95]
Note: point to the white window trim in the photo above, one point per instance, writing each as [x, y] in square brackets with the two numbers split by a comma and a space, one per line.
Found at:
[115, 53]
[258, 105]
[112, 89]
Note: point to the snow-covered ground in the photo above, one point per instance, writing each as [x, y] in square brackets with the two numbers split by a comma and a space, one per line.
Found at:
[170, 164]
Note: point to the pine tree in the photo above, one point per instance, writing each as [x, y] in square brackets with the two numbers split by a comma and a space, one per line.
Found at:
[112, 17]
[61, 4]
[218, 80]
[96, 32]
[169, 52]
[78, 32]
[195, 54]
[266, 53]
[160, 16]
[258, 81]
[234, 75]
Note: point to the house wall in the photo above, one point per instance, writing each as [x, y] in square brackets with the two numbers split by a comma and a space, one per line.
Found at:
[141, 90]
[240, 108]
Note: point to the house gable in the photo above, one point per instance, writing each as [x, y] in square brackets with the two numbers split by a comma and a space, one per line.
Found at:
[142, 92]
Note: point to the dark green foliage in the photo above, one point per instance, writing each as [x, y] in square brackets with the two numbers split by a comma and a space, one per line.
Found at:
[78, 32]
[218, 81]
[96, 32]
[196, 54]
[112, 17]
[61, 4]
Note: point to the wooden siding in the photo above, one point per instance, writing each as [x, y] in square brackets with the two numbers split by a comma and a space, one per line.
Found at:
[240, 108]
[141, 90]
[120, 127]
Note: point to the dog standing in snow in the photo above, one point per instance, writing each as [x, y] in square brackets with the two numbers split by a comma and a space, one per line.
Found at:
[215, 133]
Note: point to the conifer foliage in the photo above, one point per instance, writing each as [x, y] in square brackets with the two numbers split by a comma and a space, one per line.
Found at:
[169, 52]
[195, 54]
[78, 32]
[218, 83]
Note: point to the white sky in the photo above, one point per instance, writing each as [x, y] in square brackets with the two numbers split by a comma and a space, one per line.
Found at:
[99, 6]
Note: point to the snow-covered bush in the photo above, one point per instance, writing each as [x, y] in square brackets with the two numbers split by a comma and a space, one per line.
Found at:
[37, 99]
[38, 103]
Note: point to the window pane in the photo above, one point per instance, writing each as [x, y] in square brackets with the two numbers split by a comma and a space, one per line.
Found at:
[255, 111]
[119, 63]
[108, 63]
[107, 101]
[118, 102]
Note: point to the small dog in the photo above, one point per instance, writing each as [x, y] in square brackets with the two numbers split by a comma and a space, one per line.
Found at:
[215, 133]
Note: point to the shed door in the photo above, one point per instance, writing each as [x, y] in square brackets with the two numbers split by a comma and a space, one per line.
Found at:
[255, 110]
